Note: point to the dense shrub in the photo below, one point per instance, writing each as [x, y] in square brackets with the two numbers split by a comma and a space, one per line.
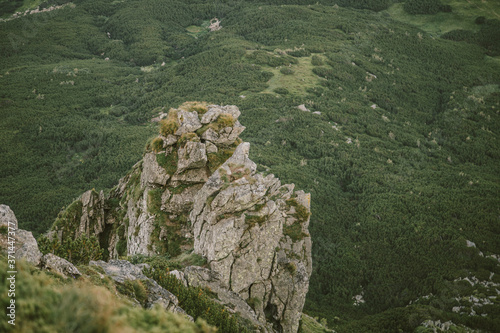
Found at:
[197, 303]
[424, 7]
[375, 5]
[287, 71]
[79, 251]
[281, 91]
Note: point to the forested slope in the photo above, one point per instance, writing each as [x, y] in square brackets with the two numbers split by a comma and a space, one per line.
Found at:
[400, 149]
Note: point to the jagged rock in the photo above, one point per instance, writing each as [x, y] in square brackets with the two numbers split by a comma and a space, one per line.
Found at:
[26, 246]
[141, 226]
[170, 140]
[205, 278]
[302, 107]
[192, 156]
[181, 202]
[203, 193]
[246, 246]
[7, 217]
[211, 148]
[225, 136]
[189, 122]
[59, 265]
[180, 276]
[152, 172]
[214, 111]
[122, 270]
[92, 219]
[193, 176]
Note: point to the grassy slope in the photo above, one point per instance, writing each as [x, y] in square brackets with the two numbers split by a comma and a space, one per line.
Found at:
[392, 210]
[462, 16]
[46, 302]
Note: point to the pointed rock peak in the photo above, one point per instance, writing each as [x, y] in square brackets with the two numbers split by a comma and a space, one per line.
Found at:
[197, 189]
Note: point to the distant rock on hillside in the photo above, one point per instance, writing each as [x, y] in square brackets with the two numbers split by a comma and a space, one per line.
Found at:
[196, 189]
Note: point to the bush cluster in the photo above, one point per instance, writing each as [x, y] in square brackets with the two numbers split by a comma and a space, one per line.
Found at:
[197, 303]
[79, 251]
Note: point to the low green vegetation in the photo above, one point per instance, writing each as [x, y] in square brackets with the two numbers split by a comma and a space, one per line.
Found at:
[197, 303]
[48, 303]
[78, 251]
[462, 16]
[168, 162]
[134, 289]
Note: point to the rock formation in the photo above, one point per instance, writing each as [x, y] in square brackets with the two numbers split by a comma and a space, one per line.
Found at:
[25, 245]
[122, 271]
[196, 189]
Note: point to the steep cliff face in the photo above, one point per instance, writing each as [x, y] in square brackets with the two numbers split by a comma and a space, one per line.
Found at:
[196, 189]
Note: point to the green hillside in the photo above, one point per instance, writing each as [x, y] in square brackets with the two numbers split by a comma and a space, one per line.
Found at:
[400, 150]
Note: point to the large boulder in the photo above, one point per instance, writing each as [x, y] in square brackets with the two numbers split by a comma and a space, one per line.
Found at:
[122, 271]
[59, 265]
[25, 246]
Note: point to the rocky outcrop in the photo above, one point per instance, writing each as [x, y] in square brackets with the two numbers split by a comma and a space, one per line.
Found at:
[55, 264]
[196, 189]
[122, 271]
[25, 246]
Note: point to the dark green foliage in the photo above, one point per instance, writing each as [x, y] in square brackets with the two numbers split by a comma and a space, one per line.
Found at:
[299, 53]
[4, 229]
[166, 262]
[487, 37]
[266, 58]
[154, 200]
[281, 91]
[68, 219]
[316, 61]
[168, 162]
[480, 20]
[9, 7]
[252, 220]
[134, 289]
[294, 231]
[197, 303]
[376, 5]
[424, 7]
[287, 71]
[121, 247]
[79, 251]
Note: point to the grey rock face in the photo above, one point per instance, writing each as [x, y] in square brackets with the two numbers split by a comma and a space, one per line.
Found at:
[7, 217]
[191, 156]
[59, 265]
[152, 173]
[122, 271]
[202, 192]
[253, 232]
[26, 246]
[92, 219]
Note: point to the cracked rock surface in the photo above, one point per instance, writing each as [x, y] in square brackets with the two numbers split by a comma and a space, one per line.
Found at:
[196, 189]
